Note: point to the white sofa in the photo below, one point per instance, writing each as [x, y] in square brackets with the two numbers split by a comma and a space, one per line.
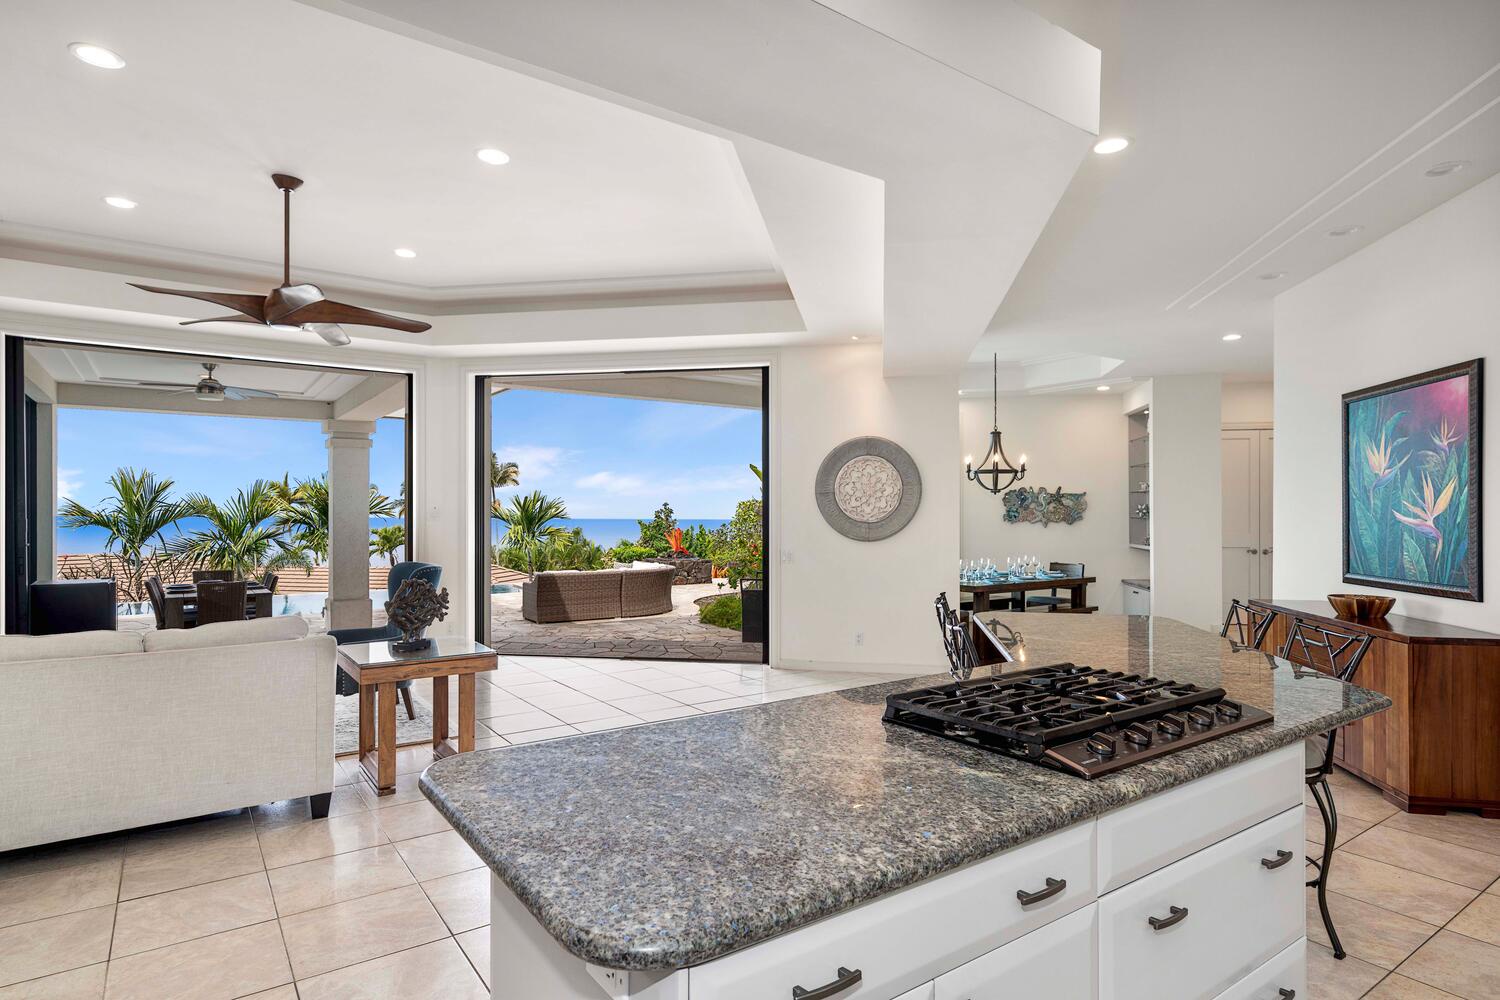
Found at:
[106, 731]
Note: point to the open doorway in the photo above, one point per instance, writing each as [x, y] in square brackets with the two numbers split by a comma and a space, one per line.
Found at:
[622, 514]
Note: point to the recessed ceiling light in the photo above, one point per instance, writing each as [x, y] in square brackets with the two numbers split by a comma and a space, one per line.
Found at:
[405, 252]
[118, 201]
[494, 157]
[1445, 168]
[96, 55]
[1101, 388]
[1345, 230]
[1271, 275]
[1231, 336]
[1111, 144]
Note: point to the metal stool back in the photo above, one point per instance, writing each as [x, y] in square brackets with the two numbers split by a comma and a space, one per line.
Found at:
[958, 644]
[1248, 623]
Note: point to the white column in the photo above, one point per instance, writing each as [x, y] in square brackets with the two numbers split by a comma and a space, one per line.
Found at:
[348, 522]
[1187, 512]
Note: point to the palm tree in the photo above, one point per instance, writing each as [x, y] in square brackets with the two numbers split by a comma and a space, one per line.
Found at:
[528, 524]
[502, 474]
[387, 541]
[243, 533]
[302, 512]
[141, 509]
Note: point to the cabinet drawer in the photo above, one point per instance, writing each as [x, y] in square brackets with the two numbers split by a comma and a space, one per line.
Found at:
[1239, 914]
[909, 937]
[1059, 960]
[923, 992]
[1287, 971]
[1202, 812]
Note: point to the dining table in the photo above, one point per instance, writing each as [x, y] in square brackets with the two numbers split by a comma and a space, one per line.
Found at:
[1077, 587]
[178, 598]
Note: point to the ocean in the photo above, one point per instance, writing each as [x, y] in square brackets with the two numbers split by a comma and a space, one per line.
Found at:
[605, 531]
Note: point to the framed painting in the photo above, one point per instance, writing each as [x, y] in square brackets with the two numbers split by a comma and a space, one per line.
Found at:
[1412, 472]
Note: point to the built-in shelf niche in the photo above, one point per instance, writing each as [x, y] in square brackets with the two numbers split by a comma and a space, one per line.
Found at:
[1138, 481]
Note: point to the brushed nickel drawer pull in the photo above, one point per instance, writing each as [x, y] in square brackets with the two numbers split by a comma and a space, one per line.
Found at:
[846, 979]
[1054, 886]
[1271, 864]
[1162, 923]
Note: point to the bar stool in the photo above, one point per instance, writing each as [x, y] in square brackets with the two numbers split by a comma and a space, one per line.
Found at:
[1342, 653]
[1250, 624]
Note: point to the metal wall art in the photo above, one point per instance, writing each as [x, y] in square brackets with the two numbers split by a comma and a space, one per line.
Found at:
[868, 488]
[1036, 506]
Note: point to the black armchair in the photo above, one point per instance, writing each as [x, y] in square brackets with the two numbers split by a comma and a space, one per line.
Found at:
[399, 574]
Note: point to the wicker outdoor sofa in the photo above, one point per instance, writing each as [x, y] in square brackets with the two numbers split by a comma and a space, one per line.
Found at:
[591, 595]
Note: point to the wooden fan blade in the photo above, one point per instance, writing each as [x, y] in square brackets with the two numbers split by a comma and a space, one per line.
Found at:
[328, 311]
[250, 305]
[220, 319]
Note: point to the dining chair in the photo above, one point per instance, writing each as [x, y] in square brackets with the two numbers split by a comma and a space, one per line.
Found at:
[157, 594]
[1249, 624]
[1053, 601]
[399, 574]
[269, 581]
[221, 601]
[199, 575]
[1338, 653]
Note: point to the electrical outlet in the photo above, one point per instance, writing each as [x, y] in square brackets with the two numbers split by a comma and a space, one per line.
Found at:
[859, 638]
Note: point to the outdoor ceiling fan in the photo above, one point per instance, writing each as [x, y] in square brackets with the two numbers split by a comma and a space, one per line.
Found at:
[208, 389]
[292, 307]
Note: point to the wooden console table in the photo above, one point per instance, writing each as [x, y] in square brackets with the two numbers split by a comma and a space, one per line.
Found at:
[1438, 747]
[376, 668]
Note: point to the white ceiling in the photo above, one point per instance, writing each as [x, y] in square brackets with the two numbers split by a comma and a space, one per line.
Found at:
[1257, 128]
[217, 94]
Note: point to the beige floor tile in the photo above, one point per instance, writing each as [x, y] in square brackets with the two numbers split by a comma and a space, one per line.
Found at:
[198, 911]
[160, 862]
[1461, 965]
[573, 714]
[79, 984]
[1354, 797]
[1396, 987]
[326, 881]
[437, 855]
[490, 742]
[411, 819]
[346, 799]
[287, 992]
[1349, 827]
[462, 900]
[33, 861]
[218, 967]
[663, 714]
[437, 971]
[476, 945]
[1438, 858]
[290, 845]
[61, 890]
[539, 735]
[1464, 829]
[56, 944]
[621, 721]
[1367, 931]
[414, 760]
[508, 725]
[333, 937]
[644, 703]
[1329, 978]
[560, 699]
[1480, 919]
[697, 695]
[406, 790]
[1409, 893]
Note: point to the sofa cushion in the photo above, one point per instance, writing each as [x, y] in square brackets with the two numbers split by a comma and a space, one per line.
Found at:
[276, 629]
[67, 645]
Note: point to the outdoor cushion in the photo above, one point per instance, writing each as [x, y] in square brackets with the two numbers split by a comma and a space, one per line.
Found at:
[647, 565]
[67, 645]
[278, 629]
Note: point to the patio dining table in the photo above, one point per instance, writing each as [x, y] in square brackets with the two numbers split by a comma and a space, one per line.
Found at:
[181, 596]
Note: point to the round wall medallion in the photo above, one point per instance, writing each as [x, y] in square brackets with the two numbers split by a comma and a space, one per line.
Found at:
[868, 488]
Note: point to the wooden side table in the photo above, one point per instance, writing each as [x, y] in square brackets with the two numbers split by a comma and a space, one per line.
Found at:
[376, 668]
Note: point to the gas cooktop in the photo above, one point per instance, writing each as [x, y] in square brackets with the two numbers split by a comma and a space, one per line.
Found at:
[1078, 719]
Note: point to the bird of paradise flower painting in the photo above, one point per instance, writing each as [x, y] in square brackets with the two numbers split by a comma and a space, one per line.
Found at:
[1411, 483]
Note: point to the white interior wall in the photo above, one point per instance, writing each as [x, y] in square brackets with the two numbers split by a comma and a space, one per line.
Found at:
[1186, 499]
[1078, 443]
[1245, 403]
[1423, 297]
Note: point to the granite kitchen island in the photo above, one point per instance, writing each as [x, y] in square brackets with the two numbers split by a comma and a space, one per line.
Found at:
[805, 844]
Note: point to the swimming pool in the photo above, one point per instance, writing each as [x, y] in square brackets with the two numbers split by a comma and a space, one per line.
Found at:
[304, 604]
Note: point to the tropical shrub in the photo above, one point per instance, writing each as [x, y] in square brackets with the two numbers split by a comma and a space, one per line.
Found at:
[528, 528]
[627, 552]
[387, 541]
[135, 517]
[243, 533]
[699, 542]
[654, 532]
[725, 612]
[737, 544]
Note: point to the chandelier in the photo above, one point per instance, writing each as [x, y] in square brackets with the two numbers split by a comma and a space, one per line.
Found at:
[995, 473]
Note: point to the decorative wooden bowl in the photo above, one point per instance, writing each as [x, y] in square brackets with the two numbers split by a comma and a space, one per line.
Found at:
[1361, 606]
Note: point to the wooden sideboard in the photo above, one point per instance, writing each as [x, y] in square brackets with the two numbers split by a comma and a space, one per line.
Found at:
[1438, 747]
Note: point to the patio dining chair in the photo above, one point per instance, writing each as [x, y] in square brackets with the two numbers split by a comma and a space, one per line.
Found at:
[269, 581]
[157, 595]
[221, 601]
[199, 575]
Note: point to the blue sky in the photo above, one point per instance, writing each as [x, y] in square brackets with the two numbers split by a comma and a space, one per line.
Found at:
[611, 457]
[204, 454]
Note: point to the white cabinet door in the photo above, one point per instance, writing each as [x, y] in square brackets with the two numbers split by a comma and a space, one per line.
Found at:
[1057, 962]
[1199, 926]
[923, 992]
[1240, 451]
[1137, 601]
[1267, 466]
[1282, 978]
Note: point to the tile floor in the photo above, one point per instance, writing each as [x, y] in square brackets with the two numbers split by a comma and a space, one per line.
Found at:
[383, 900]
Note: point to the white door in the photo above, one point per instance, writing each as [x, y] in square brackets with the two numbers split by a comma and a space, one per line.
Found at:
[1241, 493]
[1267, 454]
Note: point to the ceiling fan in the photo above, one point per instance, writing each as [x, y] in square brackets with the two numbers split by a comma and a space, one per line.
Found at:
[292, 307]
[207, 388]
